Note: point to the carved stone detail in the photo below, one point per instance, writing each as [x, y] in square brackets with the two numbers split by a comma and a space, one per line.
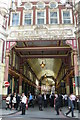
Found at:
[41, 33]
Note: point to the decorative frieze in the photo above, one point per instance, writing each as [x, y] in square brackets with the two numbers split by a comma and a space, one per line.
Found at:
[41, 33]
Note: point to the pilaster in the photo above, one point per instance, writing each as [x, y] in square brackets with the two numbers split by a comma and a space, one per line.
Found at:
[76, 73]
[13, 84]
[20, 81]
[20, 85]
[7, 65]
[67, 86]
[6, 72]
[2, 68]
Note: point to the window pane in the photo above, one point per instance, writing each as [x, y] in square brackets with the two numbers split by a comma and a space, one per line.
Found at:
[53, 14]
[66, 17]
[40, 17]
[15, 19]
[40, 21]
[53, 21]
[67, 21]
[27, 19]
[28, 22]
[53, 18]
[28, 15]
[40, 14]
[66, 14]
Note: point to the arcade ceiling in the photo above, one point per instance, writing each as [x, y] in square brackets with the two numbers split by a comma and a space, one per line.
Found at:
[52, 53]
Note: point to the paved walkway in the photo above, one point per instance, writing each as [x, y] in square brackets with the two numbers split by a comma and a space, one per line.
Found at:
[76, 112]
[4, 112]
[33, 112]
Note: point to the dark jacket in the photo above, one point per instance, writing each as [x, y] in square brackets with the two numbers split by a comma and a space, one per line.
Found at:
[40, 99]
[57, 103]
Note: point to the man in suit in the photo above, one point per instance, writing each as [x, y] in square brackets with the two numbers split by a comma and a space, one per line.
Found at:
[45, 100]
[40, 101]
[23, 103]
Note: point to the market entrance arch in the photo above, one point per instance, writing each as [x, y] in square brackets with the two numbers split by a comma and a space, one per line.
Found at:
[25, 72]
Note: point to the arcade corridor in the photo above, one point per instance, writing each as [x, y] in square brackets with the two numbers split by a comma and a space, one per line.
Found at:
[25, 64]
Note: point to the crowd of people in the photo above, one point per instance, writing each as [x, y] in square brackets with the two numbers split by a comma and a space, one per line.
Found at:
[22, 102]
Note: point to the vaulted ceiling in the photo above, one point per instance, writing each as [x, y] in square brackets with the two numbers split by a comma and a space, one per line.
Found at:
[51, 53]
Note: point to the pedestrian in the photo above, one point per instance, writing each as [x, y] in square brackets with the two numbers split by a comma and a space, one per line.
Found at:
[52, 99]
[8, 101]
[17, 101]
[73, 97]
[14, 101]
[57, 104]
[23, 103]
[65, 100]
[30, 101]
[11, 98]
[60, 101]
[71, 106]
[40, 100]
[45, 100]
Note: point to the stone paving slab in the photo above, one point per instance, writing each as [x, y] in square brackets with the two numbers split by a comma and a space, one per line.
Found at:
[76, 112]
[6, 112]
[33, 111]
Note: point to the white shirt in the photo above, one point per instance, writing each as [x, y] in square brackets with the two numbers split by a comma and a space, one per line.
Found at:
[65, 97]
[24, 99]
[44, 97]
[14, 100]
[8, 100]
[73, 97]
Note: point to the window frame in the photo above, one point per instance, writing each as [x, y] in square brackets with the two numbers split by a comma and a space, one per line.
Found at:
[54, 10]
[44, 16]
[64, 10]
[28, 11]
[12, 17]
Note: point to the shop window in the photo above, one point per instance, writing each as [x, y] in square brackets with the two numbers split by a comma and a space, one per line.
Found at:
[41, 17]
[66, 17]
[15, 19]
